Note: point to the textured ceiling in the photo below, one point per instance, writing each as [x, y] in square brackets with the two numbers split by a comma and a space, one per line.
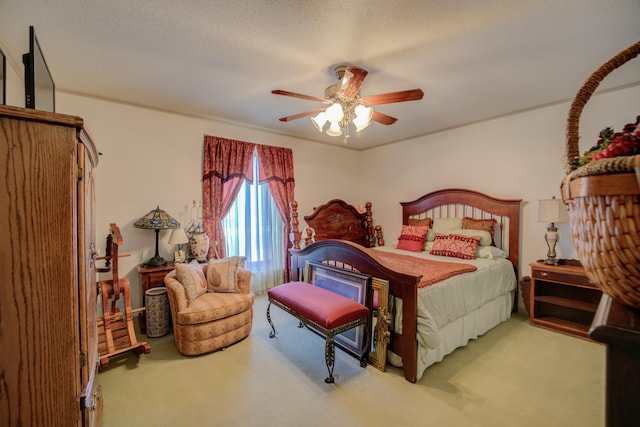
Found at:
[473, 59]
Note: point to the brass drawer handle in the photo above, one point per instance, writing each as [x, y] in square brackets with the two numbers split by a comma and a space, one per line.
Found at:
[544, 274]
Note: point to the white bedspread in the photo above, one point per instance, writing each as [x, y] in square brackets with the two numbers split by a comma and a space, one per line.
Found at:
[445, 302]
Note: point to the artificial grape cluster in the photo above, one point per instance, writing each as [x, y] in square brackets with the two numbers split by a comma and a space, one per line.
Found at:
[614, 144]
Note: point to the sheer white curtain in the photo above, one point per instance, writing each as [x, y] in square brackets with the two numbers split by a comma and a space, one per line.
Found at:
[253, 228]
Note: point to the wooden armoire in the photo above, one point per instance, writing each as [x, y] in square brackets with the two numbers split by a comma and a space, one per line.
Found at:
[48, 332]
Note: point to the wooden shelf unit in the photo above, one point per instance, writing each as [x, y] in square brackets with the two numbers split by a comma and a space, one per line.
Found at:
[562, 299]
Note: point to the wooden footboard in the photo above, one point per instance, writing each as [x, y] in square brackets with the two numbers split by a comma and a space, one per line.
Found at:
[350, 255]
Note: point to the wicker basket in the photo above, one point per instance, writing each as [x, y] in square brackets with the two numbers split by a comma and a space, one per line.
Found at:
[604, 203]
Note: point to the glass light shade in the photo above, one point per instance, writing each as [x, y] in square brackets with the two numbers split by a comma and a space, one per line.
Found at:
[364, 112]
[178, 237]
[156, 219]
[363, 117]
[334, 129]
[334, 113]
[552, 210]
[319, 121]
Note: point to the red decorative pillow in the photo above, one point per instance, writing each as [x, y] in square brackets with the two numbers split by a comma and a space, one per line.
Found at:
[455, 245]
[412, 238]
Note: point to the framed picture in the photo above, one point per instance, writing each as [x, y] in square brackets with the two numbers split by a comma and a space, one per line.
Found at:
[3, 78]
[381, 321]
[353, 285]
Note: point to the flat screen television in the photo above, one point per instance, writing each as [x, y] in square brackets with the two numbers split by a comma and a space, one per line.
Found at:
[39, 88]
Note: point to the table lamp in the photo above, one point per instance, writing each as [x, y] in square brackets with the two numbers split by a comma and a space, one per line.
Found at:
[156, 220]
[551, 211]
[178, 237]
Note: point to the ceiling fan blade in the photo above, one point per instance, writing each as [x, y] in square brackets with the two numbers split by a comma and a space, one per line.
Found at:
[351, 81]
[389, 98]
[383, 118]
[300, 115]
[300, 96]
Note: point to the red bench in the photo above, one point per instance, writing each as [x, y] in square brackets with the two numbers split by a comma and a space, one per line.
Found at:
[327, 312]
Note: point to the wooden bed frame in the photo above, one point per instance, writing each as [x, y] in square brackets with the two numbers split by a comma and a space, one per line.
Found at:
[449, 203]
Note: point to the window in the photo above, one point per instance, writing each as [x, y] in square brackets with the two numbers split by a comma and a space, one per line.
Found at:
[253, 228]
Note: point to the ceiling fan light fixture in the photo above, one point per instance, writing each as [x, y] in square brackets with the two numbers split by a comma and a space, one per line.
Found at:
[334, 113]
[334, 129]
[346, 106]
[319, 121]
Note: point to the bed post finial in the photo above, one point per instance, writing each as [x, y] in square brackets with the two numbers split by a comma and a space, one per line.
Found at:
[309, 239]
[295, 225]
[379, 235]
[370, 241]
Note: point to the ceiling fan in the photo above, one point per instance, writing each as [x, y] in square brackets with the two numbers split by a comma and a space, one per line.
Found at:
[346, 107]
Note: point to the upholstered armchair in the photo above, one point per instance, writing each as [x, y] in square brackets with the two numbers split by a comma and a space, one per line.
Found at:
[211, 304]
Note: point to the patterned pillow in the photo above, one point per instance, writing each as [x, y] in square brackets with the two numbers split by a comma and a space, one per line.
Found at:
[412, 238]
[192, 278]
[455, 245]
[488, 225]
[222, 274]
[422, 222]
[485, 237]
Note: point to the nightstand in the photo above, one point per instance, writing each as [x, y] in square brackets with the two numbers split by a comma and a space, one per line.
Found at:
[150, 277]
[562, 298]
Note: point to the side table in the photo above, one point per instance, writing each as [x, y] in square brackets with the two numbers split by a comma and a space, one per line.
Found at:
[150, 277]
[562, 298]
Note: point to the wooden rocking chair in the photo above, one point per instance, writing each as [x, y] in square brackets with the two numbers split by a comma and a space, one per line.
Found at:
[116, 333]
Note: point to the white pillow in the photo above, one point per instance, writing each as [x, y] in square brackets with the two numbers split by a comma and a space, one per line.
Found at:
[485, 236]
[444, 226]
[490, 252]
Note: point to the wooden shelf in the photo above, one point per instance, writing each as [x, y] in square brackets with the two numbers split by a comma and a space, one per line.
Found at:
[568, 302]
[565, 325]
[562, 298]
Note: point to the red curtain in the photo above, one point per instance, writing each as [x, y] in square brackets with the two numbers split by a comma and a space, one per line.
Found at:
[226, 163]
[276, 169]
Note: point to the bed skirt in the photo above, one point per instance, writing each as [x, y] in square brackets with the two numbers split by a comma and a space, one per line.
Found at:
[460, 331]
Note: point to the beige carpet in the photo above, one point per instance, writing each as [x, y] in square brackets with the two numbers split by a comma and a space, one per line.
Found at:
[515, 375]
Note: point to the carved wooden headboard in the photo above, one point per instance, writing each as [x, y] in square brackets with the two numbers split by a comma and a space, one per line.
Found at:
[337, 219]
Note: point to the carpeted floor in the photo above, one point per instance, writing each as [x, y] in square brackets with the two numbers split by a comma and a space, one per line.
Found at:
[515, 375]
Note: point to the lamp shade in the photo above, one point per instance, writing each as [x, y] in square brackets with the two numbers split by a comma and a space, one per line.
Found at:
[178, 237]
[334, 113]
[552, 210]
[157, 219]
[334, 129]
[319, 120]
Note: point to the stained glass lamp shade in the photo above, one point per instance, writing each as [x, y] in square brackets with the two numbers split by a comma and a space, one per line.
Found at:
[156, 220]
